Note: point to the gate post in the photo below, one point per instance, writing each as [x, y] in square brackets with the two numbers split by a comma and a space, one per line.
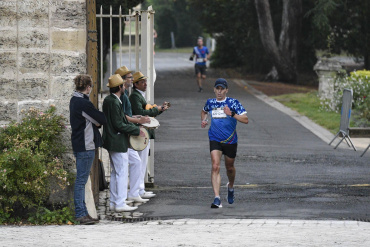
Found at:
[147, 67]
[92, 69]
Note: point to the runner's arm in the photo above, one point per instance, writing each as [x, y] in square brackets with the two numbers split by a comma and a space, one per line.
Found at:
[243, 118]
[203, 118]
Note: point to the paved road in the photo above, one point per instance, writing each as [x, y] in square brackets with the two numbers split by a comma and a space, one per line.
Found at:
[283, 170]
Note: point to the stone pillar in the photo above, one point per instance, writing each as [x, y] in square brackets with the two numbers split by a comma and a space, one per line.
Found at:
[326, 70]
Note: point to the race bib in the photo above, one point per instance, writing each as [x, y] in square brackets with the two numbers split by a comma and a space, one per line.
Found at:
[218, 113]
[200, 60]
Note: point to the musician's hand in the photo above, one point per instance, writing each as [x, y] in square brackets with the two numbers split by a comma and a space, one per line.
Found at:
[165, 106]
[227, 110]
[204, 123]
[144, 120]
[162, 108]
[142, 134]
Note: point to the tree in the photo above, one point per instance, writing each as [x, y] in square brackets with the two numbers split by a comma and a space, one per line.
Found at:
[175, 16]
[234, 25]
[284, 55]
[344, 25]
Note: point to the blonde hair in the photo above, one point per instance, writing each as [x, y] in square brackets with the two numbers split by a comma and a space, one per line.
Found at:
[82, 82]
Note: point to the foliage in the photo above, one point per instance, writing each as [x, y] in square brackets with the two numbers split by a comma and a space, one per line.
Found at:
[175, 16]
[44, 216]
[359, 82]
[234, 25]
[30, 158]
[308, 104]
[345, 24]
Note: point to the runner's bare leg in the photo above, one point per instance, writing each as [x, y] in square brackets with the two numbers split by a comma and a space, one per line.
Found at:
[215, 175]
[199, 80]
[230, 170]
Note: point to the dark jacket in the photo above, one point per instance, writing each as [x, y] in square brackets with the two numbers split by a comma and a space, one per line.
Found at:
[117, 128]
[138, 104]
[83, 117]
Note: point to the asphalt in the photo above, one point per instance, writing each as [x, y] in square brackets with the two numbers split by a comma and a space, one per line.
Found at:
[292, 188]
[284, 170]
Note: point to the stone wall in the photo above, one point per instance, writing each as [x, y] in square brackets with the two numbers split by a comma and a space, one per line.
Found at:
[42, 48]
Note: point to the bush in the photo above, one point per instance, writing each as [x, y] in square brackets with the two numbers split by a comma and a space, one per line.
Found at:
[30, 158]
[44, 216]
[359, 82]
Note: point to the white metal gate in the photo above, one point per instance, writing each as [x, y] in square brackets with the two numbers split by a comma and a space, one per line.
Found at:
[142, 56]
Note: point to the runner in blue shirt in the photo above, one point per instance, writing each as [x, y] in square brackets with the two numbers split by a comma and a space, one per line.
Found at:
[225, 112]
[202, 55]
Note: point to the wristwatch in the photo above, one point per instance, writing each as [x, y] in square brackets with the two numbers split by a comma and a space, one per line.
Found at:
[232, 114]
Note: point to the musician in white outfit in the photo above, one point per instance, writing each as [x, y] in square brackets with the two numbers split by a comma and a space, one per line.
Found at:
[134, 160]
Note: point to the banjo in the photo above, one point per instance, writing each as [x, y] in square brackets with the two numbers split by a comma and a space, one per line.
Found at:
[139, 143]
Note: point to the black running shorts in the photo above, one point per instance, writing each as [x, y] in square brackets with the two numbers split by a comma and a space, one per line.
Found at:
[227, 149]
[202, 69]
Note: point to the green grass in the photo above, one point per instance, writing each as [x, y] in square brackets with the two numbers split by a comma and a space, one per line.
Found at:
[308, 104]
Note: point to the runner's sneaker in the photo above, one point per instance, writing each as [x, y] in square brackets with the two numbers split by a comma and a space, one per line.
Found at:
[216, 203]
[230, 194]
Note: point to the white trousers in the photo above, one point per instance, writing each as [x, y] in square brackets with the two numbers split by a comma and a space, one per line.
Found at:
[118, 178]
[135, 172]
[144, 162]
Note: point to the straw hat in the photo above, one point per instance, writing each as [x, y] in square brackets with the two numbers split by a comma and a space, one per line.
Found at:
[114, 81]
[122, 71]
[139, 76]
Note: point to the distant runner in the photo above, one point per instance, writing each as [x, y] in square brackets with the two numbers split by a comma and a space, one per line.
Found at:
[225, 112]
[202, 55]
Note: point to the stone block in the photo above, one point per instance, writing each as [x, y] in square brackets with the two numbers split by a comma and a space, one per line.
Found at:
[69, 40]
[66, 139]
[62, 108]
[69, 14]
[34, 62]
[8, 13]
[59, 195]
[8, 89]
[36, 38]
[61, 87]
[33, 13]
[8, 39]
[8, 111]
[64, 63]
[8, 61]
[25, 105]
[33, 88]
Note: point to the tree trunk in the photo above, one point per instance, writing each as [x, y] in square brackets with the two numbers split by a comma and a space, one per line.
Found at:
[284, 55]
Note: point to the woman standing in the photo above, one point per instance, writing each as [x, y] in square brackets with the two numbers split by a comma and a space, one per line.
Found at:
[85, 120]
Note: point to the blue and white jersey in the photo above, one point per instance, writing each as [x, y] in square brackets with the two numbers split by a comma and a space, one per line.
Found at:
[223, 127]
[200, 54]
